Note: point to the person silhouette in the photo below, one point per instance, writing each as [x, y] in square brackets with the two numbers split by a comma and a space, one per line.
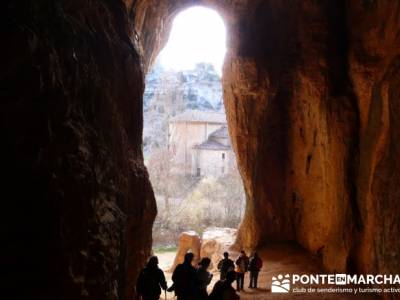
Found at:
[255, 266]
[150, 281]
[242, 264]
[203, 278]
[225, 265]
[223, 289]
[185, 279]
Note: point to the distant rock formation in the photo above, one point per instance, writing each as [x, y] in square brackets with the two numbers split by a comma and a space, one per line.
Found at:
[188, 241]
[169, 93]
[215, 241]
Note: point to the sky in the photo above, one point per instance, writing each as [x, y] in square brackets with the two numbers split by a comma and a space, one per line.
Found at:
[197, 35]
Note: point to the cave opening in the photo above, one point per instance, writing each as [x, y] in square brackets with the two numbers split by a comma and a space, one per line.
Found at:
[186, 143]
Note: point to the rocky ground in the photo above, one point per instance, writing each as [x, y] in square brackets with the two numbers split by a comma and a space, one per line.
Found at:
[278, 259]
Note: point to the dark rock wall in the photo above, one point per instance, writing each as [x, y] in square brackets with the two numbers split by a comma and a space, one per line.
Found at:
[374, 31]
[79, 208]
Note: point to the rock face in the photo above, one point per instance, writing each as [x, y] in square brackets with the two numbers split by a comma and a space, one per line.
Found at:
[189, 241]
[375, 72]
[215, 241]
[311, 90]
[169, 93]
[311, 105]
[198, 88]
[295, 122]
[77, 220]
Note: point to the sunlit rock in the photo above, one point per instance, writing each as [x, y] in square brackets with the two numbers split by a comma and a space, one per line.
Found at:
[189, 241]
[215, 241]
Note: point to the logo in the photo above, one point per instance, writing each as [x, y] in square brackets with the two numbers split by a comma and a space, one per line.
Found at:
[280, 284]
[336, 283]
[341, 279]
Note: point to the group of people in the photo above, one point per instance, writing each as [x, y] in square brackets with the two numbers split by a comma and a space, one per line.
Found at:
[243, 264]
[190, 283]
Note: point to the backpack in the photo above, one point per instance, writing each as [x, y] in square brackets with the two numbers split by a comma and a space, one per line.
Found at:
[226, 265]
[255, 264]
[242, 264]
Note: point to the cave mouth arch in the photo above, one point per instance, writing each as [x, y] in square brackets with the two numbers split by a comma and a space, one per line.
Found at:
[272, 85]
[185, 136]
[72, 127]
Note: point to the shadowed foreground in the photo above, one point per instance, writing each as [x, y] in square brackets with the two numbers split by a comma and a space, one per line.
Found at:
[277, 259]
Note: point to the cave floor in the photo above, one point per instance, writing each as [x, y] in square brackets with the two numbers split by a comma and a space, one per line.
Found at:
[277, 259]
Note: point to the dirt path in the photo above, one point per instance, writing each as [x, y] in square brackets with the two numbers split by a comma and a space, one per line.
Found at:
[278, 259]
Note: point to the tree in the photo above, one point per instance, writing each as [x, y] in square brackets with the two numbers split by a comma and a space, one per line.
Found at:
[187, 203]
[160, 166]
[235, 201]
[167, 180]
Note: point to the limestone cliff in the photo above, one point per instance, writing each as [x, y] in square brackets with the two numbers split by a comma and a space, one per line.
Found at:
[168, 93]
[311, 106]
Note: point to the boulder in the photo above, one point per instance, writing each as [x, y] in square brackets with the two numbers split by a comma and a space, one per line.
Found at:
[188, 241]
[215, 241]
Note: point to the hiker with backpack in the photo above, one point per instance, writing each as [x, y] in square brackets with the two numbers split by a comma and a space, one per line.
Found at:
[185, 279]
[255, 266]
[151, 280]
[223, 289]
[203, 278]
[242, 264]
[225, 265]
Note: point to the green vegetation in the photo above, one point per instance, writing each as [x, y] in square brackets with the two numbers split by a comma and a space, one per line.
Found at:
[165, 248]
[187, 203]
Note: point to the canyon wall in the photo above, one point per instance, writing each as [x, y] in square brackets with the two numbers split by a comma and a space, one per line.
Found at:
[311, 90]
[374, 67]
[293, 114]
[79, 207]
